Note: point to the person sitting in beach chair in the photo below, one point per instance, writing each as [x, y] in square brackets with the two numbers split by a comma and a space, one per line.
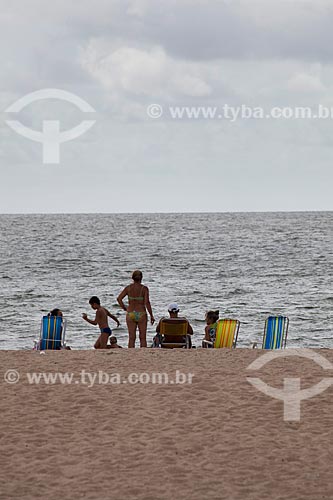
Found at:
[173, 332]
[226, 334]
[52, 332]
[210, 330]
[275, 333]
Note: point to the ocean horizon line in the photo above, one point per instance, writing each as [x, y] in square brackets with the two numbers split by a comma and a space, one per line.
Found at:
[174, 213]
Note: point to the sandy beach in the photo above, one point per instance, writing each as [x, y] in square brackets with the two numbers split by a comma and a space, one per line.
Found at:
[215, 438]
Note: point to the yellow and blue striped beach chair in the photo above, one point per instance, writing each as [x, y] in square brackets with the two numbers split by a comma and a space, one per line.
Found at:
[275, 333]
[52, 333]
[226, 334]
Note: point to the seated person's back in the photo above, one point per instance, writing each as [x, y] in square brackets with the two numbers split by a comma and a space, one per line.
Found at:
[173, 310]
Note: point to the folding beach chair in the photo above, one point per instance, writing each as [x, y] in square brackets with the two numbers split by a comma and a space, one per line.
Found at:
[226, 334]
[275, 332]
[173, 334]
[52, 333]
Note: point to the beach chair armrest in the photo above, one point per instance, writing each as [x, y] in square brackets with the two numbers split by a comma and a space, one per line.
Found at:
[206, 343]
[188, 341]
[184, 344]
[36, 344]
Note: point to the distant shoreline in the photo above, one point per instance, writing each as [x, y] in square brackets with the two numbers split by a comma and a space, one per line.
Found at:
[236, 212]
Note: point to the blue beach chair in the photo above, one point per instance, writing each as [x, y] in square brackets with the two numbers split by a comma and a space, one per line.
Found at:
[52, 333]
[275, 332]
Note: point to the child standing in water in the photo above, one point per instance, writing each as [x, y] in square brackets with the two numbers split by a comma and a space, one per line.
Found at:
[101, 319]
[210, 330]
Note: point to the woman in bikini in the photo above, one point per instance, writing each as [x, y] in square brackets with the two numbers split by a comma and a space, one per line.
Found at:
[138, 305]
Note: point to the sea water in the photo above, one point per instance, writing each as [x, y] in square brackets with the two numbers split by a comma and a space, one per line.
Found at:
[247, 265]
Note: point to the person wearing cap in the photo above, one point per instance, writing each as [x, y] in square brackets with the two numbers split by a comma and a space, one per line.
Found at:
[173, 311]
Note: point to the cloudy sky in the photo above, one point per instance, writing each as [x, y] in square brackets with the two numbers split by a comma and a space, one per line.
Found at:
[121, 56]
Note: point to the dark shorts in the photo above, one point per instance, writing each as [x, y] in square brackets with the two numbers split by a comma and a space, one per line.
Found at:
[106, 330]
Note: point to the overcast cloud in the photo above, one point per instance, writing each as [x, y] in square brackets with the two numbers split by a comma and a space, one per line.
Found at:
[121, 56]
